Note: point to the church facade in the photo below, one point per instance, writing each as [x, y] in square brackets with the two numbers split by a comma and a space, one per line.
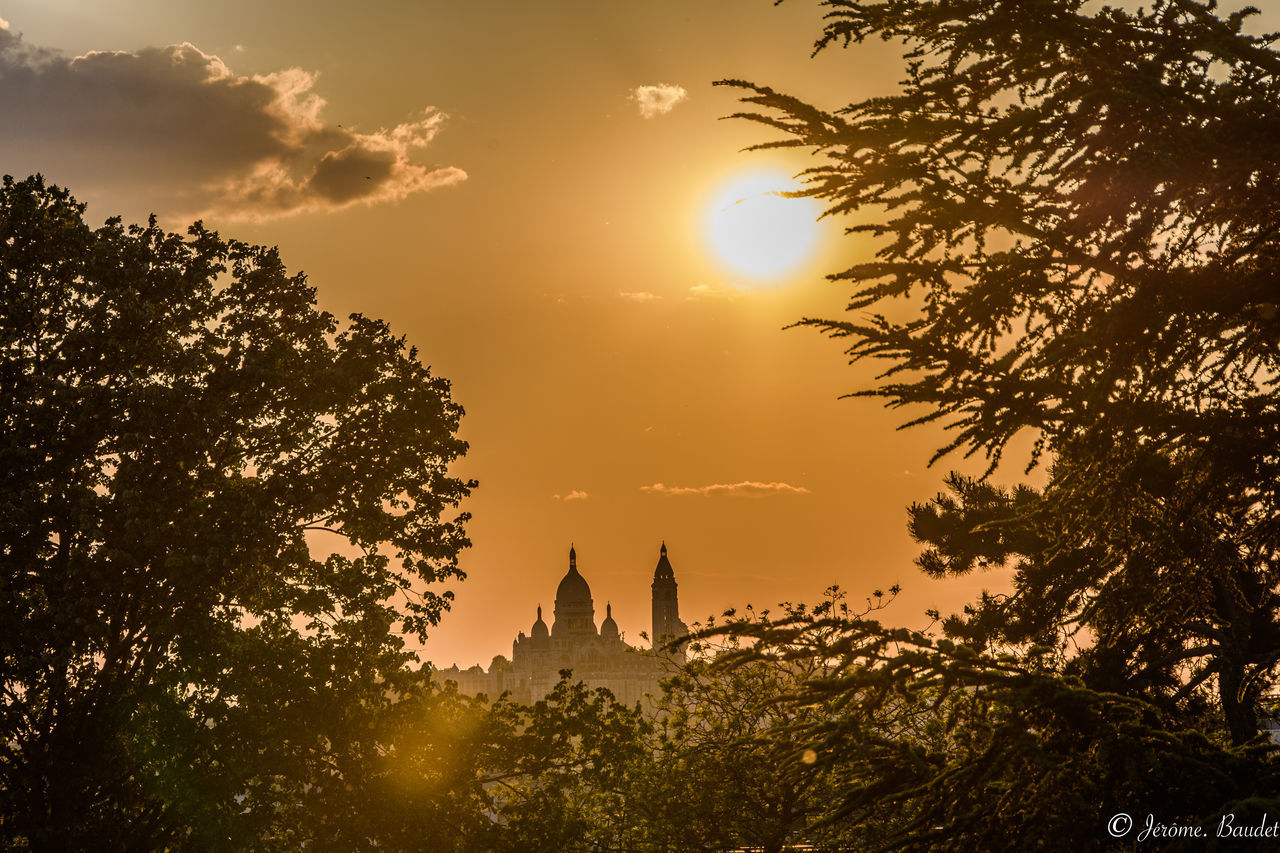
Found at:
[598, 657]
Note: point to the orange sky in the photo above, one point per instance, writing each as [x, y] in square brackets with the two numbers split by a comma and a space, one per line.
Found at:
[540, 241]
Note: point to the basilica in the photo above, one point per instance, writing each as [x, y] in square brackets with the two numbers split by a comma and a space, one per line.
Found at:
[596, 656]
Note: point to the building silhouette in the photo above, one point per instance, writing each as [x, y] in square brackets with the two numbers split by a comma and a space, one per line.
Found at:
[598, 657]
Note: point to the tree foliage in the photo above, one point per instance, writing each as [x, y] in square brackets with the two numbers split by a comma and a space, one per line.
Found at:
[724, 773]
[1081, 205]
[1076, 209]
[930, 744]
[565, 781]
[221, 508]
[1075, 237]
[439, 771]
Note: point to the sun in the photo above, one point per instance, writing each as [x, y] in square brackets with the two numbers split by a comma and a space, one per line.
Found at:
[756, 232]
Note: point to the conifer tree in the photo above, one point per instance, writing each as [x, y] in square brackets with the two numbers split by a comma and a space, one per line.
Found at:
[1075, 213]
[1077, 239]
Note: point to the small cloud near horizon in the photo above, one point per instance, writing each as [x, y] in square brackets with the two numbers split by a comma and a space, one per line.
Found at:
[712, 291]
[178, 127]
[575, 495]
[745, 489]
[641, 296]
[658, 100]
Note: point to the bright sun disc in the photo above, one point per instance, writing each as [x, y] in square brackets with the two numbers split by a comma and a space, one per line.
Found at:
[757, 233]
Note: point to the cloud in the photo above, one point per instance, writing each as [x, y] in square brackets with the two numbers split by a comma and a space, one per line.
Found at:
[575, 495]
[195, 138]
[745, 489]
[642, 296]
[658, 100]
[712, 291]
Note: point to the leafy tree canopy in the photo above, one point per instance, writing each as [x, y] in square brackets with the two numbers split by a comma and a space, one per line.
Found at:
[221, 508]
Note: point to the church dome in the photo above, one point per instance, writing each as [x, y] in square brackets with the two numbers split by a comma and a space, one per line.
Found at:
[573, 588]
[539, 630]
[575, 615]
[609, 628]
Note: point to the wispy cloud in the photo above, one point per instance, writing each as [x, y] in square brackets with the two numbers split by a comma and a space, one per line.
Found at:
[658, 100]
[178, 125]
[712, 291]
[641, 296]
[745, 489]
[575, 495]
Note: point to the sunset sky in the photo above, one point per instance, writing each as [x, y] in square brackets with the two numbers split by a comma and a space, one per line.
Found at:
[527, 191]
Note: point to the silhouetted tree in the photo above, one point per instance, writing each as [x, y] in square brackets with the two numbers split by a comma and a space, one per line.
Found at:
[927, 744]
[1076, 238]
[220, 509]
[563, 780]
[726, 772]
[1075, 211]
[440, 771]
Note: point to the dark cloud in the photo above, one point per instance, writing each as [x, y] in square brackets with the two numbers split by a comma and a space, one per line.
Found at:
[179, 127]
[341, 176]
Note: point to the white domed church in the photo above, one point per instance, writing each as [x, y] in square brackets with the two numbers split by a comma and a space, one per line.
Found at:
[597, 656]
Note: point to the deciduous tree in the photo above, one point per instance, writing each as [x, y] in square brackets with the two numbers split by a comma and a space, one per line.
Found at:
[221, 509]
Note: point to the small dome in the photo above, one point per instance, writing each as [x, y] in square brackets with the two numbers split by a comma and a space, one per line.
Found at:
[539, 630]
[573, 588]
[609, 628]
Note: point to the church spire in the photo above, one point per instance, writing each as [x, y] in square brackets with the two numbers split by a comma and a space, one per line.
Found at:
[663, 571]
[666, 606]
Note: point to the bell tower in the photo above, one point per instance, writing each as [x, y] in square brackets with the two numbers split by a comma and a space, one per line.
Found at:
[666, 607]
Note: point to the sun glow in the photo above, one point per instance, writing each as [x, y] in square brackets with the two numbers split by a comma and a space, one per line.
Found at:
[756, 232]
